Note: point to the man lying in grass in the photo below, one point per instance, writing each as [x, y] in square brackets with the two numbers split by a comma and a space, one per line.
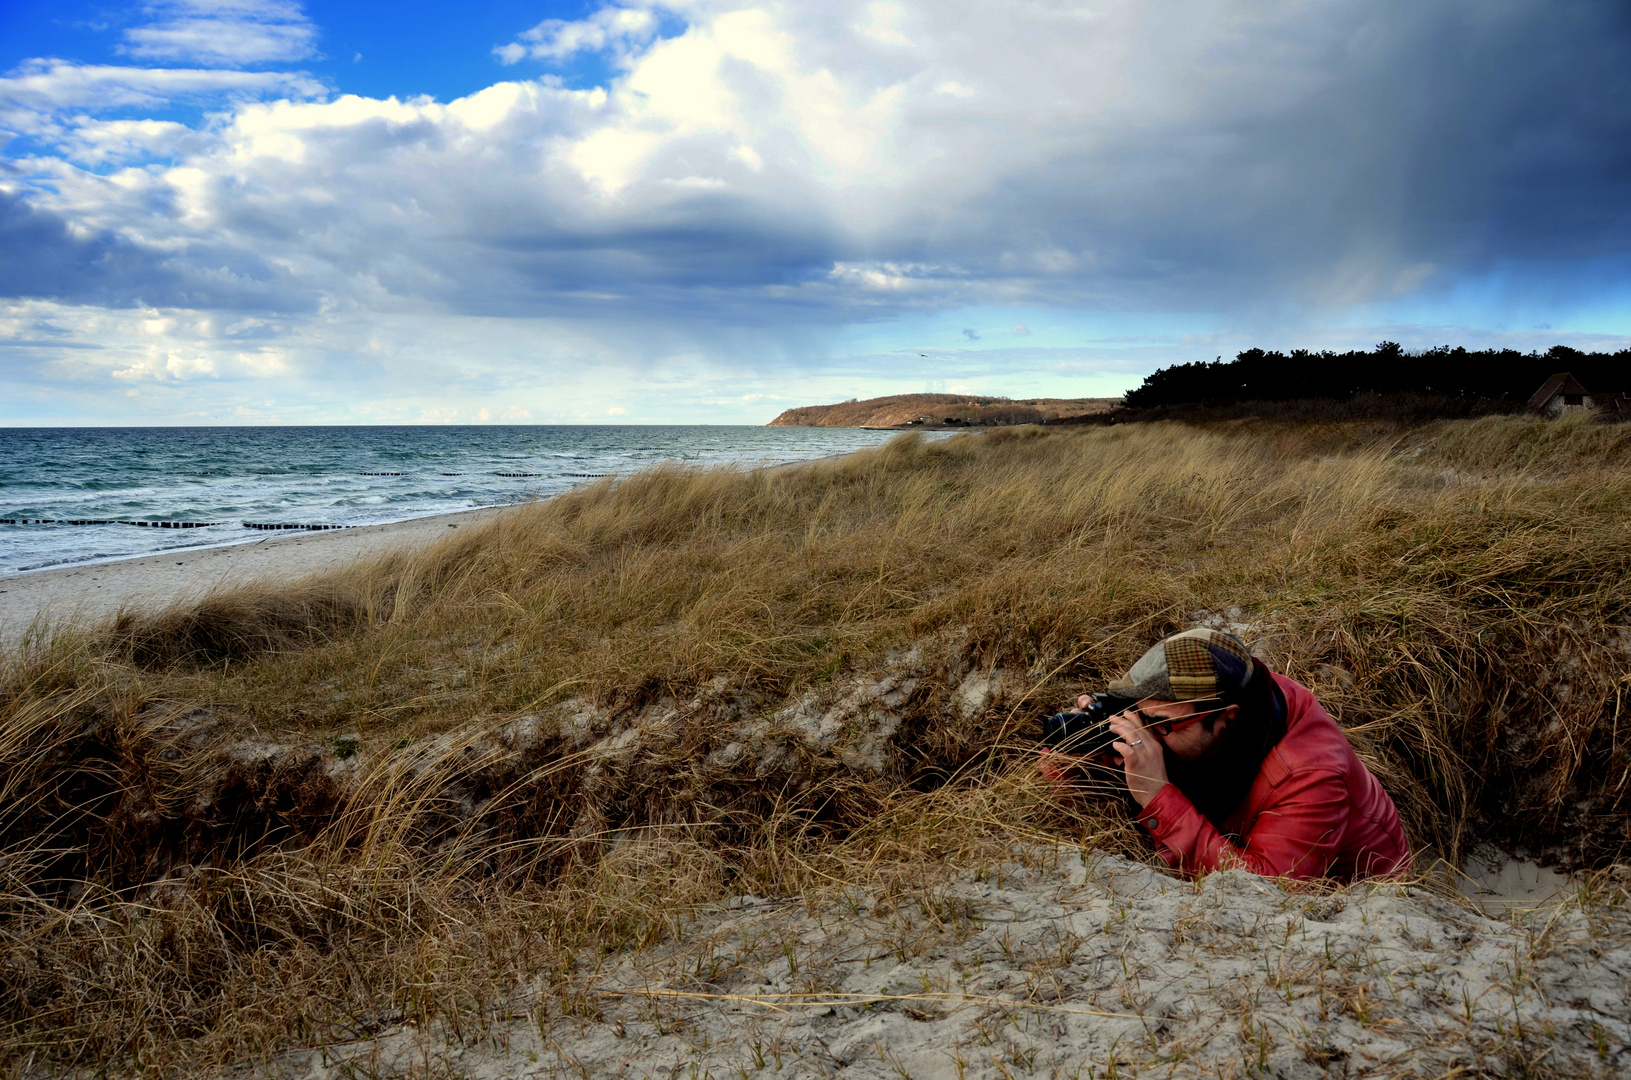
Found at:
[1232, 765]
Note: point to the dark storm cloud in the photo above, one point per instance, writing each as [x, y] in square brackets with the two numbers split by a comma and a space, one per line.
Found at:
[726, 253]
[42, 258]
[1407, 140]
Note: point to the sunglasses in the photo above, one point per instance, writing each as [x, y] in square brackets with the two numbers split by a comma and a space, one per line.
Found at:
[1164, 727]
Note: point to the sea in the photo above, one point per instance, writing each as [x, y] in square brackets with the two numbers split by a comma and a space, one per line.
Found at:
[83, 495]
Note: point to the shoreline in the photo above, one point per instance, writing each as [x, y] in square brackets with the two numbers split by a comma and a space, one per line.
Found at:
[84, 594]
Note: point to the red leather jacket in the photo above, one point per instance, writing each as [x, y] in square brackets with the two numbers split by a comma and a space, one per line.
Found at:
[1314, 811]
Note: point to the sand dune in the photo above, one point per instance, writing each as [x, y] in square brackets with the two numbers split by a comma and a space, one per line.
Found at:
[1054, 966]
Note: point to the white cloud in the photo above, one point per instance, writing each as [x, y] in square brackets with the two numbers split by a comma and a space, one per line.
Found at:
[36, 96]
[227, 32]
[882, 23]
[618, 29]
[888, 276]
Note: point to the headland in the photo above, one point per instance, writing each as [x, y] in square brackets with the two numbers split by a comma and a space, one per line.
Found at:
[936, 411]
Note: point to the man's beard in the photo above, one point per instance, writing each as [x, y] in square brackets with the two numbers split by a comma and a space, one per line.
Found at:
[1218, 781]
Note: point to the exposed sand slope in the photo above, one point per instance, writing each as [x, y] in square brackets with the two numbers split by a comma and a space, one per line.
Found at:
[963, 408]
[1060, 969]
[87, 594]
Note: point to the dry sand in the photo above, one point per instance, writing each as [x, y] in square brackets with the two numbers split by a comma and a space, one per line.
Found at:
[88, 594]
[1063, 967]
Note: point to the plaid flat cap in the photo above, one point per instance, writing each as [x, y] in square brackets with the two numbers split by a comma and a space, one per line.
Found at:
[1195, 665]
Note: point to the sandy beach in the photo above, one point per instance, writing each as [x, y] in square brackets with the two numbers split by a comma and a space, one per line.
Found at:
[89, 593]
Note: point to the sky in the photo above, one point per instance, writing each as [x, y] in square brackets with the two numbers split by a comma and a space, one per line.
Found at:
[707, 211]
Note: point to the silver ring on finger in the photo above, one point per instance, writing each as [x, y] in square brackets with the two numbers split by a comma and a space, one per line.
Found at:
[1139, 742]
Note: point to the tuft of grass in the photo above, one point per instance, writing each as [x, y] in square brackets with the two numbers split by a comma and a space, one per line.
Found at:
[425, 788]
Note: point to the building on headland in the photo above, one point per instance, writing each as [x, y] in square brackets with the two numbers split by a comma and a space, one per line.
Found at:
[1563, 394]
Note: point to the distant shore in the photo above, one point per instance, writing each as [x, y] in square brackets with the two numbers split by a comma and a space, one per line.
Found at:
[904, 412]
[88, 593]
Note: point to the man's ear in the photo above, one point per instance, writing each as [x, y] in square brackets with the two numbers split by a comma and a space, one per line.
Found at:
[1226, 718]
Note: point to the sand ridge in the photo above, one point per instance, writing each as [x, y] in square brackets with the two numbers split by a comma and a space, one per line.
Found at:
[1057, 965]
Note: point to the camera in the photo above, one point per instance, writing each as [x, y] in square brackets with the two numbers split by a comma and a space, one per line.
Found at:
[1085, 731]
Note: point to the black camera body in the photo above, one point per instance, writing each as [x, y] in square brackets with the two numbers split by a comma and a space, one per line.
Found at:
[1085, 731]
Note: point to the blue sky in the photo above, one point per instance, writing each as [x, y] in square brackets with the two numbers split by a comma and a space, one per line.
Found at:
[357, 47]
[267, 211]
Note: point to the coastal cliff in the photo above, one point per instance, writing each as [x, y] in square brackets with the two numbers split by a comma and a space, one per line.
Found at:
[942, 410]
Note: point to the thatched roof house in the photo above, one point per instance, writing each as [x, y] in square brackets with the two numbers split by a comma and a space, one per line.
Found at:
[1563, 393]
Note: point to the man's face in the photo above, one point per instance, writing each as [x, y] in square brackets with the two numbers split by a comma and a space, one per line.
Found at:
[1187, 741]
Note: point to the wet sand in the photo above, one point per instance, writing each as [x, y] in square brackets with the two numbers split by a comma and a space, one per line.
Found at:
[90, 593]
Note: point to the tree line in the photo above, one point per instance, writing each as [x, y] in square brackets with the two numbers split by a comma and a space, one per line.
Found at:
[1388, 369]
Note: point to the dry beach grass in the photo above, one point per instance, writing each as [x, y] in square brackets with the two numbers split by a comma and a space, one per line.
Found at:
[453, 784]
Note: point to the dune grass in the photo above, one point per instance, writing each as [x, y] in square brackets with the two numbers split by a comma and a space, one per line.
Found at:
[421, 789]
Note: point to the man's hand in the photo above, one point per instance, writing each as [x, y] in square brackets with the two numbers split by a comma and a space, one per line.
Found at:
[1141, 755]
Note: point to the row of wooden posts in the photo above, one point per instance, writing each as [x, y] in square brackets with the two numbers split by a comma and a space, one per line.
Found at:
[163, 524]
